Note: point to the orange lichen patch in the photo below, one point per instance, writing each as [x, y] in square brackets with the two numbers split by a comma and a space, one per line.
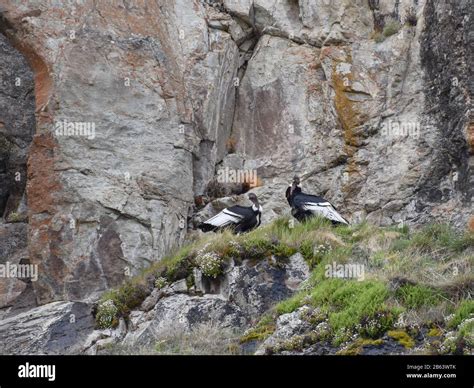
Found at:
[471, 224]
[250, 183]
[45, 244]
[43, 80]
[342, 79]
[348, 113]
[314, 66]
[470, 137]
[43, 182]
[332, 52]
[231, 145]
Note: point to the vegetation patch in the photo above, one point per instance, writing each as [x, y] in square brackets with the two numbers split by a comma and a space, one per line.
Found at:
[161, 282]
[435, 263]
[261, 331]
[415, 296]
[378, 37]
[402, 337]
[464, 311]
[392, 26]
[107, 314]
[210, 264]
[16, 217]
[435, 332]
[119, 302]
[373, 307]
[357, 347]
[354, 307]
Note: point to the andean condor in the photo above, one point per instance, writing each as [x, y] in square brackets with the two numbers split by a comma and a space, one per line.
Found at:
[239, 218]
[304, 205]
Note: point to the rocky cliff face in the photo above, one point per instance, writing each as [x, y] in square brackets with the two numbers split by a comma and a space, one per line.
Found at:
[152, 90]
[136, 107]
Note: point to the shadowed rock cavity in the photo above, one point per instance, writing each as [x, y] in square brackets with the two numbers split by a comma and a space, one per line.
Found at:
[17, 125]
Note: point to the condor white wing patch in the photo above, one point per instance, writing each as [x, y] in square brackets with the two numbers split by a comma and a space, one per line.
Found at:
[324, 209]
[224, 218]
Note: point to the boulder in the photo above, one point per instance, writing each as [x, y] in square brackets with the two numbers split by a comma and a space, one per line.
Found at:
[54, 328]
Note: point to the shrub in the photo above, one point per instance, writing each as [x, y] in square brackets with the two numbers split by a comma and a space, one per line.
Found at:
[129, 296]
[378, 324]
[466, 332]
[16, 217]
[210, 264]
[161, 282]
[441, 236]
[106, 316]
[321, 250]
[178, 269]
[233, 250]
[358, 345]
[392, 26]
[354, 302]
[435, 332]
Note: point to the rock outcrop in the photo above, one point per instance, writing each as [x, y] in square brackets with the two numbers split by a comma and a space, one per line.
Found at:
[233, 301]
[55, 328]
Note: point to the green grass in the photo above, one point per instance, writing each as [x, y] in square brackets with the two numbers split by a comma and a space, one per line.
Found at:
[416, 296]
[423, 259]
[290, 305]
[441, 236]
[355, 306]
[464, 311]
[370, 308]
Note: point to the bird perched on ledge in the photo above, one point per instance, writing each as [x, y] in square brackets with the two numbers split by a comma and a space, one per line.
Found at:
[240, 219]
[304, 205]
